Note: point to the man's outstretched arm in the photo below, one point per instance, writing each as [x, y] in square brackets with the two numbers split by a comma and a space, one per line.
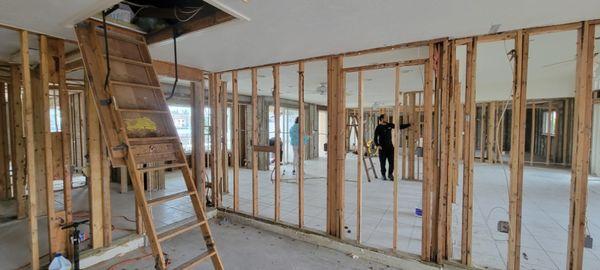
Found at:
[404, 126]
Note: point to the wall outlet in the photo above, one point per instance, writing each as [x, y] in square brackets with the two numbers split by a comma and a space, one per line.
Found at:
[589, 241]
[503, 226]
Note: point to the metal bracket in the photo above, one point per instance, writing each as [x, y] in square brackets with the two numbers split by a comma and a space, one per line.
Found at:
[106, 102]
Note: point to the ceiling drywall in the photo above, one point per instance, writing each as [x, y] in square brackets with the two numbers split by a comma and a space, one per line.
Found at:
[286, 30]
[51, 17]
[274, 30]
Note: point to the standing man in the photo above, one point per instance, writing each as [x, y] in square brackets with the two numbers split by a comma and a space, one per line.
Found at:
[383, 141]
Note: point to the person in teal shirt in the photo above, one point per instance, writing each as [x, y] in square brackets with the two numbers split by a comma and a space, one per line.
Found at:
[295, 142]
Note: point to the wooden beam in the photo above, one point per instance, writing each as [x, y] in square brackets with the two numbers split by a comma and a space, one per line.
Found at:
[223, 153]
[491, 134]
[414, 62]
[5, 185]
[18, 140]
[192, 25]
[397, 104]
[65, 132]
[336, 103]
[443, 140]
[44, 67]
[30, 150]
[301, 147]
[582, 126]
[517, 152]
[167, 69]
[428, 158]
[532, 139]
[198, 149]
[277, 113]
[549, 135]
[360, 157]
[94, 177]
[255, 142]
[469, 155]
[235, 154]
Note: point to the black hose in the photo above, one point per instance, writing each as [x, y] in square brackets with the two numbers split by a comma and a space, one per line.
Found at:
[176, 66]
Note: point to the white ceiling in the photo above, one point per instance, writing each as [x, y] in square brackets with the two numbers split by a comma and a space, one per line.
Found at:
[277, 30]
[51, 17]
[286, 30]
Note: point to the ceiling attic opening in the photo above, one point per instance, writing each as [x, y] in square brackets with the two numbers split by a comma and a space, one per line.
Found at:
[163, 19]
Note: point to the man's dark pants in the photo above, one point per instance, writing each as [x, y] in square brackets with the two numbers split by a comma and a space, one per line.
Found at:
[386, 153]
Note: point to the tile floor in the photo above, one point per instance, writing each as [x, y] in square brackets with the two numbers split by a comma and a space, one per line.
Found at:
[544, 223]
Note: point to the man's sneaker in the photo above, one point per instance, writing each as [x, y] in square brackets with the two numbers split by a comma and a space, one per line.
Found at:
[383, 178]
[391, 177]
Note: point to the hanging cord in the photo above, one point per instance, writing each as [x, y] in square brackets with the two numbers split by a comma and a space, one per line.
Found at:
[175, 34]
[104, 14]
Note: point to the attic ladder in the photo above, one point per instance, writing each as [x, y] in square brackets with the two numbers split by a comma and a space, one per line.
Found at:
[367, 155]
[138, 128]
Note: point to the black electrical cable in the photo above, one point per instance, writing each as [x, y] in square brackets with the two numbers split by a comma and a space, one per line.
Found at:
[175, 55]
[106, 50]
[104, 14]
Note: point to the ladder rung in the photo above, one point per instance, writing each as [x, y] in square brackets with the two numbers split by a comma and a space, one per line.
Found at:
[169, 197]
[140, 85]
[143, 111]
[197, 260]
[129, 61]
[153, 139]
[163, 167]
[168, 234]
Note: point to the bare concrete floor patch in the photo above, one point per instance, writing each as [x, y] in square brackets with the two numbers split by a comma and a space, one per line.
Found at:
[245, 247]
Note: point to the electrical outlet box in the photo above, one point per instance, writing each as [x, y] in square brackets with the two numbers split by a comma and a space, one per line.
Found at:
[503, 226]
[589, 241]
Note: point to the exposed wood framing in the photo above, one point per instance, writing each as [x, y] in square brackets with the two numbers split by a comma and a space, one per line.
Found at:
[255, 142]
[491, 135]
[223, 153]
[30, 151]
[444, 129]
[469, 155]
[517, 152]
[198, 150]
[428, 159]
[95, 173]
[106, 206]
[397, 96]
[18, 140]
[301, 147]
[532, 142]
[277, 113]
[360, 158]
[187, 73]
[386, 65]
[47, 142]
[235, 154]
[336, 104]
[65, 126]
[582, 126]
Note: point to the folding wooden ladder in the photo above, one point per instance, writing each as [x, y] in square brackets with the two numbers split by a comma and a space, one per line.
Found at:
[354, 125]
[138, 127]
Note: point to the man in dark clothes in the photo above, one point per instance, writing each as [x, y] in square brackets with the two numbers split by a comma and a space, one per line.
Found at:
[383, 141]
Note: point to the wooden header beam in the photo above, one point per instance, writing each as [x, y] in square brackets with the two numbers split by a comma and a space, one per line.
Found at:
[414, 62]
[167, 69]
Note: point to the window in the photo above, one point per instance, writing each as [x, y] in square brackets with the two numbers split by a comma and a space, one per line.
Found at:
[182, 117]
[549, 123]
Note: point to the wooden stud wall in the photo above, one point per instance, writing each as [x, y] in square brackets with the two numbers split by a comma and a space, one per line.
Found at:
[336, 104]
[581, 142]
